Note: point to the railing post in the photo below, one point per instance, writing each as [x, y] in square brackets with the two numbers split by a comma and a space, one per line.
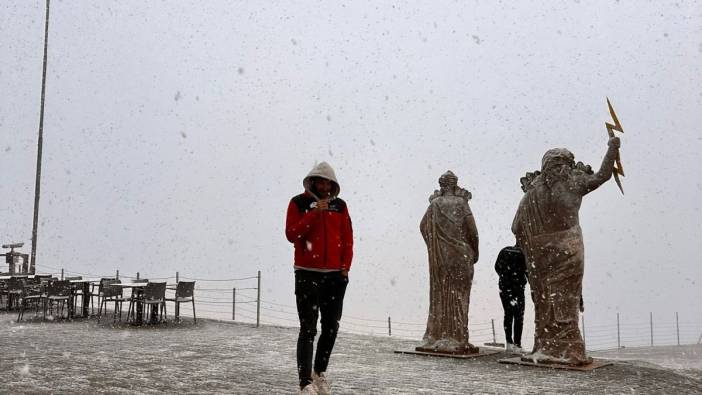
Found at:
[258, 300]
[677, 327]
[137, 275]
[582, 321]
[619, 339]
[651, 320]
[389, 327]
[177, 278]
[233, 304]
[494, 339]
[117, 274]
[61, 274]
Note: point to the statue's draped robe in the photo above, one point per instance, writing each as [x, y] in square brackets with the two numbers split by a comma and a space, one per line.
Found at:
[445, 227]
[555, 266]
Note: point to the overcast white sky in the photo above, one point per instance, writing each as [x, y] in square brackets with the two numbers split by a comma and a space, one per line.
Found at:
[176, 133]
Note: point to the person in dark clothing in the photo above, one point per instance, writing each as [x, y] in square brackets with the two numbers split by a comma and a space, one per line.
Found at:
[511, 268]
[319, 226]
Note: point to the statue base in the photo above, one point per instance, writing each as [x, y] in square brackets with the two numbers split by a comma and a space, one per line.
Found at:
[467, 350]
[453, 354]
[595, 364]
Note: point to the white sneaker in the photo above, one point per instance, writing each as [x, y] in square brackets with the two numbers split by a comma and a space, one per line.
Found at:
[509, 347]
[309, 389]
[517, 349]
[322, 384]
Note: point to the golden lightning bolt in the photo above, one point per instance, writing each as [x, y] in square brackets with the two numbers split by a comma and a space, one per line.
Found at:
[618, 169]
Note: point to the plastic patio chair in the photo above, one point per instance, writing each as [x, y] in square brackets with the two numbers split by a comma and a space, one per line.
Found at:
[154, 296]
[77, 291]
[185, 292]
[15, 288]
[111, 293]
[58, 292]
[98, 294]
[31, 293]
[3, 291]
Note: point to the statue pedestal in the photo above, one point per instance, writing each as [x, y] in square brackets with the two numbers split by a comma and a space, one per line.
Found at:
[596, 363]
[470, 349]
[460, 355]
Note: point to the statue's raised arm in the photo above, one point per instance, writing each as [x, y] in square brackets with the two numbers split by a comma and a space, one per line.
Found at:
[590, 182]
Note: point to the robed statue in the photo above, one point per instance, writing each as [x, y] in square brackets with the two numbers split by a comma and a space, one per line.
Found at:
[548, 229]
[451, 237]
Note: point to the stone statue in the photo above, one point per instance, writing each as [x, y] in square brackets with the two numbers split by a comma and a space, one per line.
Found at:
[451, 236]
[548, 229]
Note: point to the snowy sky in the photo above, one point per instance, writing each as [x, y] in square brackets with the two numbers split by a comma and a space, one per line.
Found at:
[176, 133]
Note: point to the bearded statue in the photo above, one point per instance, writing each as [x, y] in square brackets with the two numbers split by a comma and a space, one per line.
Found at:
[548, 229]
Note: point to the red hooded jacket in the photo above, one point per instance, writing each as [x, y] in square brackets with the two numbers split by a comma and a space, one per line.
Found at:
[323, 240]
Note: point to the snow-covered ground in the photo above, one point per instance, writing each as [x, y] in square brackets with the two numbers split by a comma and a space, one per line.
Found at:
[215, 357]
[683, 359]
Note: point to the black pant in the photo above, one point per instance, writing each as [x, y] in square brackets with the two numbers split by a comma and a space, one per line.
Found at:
[513, 304]
[317, 292]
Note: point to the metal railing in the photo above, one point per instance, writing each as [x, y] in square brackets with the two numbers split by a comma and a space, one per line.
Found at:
[225, 298]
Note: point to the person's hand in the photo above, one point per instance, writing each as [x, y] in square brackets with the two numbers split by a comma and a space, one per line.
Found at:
[614, 142]
[323, 204]
[345, 273]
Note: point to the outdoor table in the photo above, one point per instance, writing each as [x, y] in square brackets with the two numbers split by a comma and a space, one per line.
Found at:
[85, 285]
[138, 288]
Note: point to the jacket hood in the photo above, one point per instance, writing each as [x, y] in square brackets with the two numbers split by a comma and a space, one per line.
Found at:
[322, 170]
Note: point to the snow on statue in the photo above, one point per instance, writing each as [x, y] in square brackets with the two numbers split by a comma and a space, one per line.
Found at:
[451, 236]
[548, 228]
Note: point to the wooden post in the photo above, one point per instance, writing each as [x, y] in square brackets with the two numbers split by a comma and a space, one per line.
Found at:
[61, 274]
[40, 144]
[619, 340]
[677, 327]
[651, 320]
[117, 274]
[177, 277]
[233, 304]
[258, 301]
[494, 338]
[389, 327]
[137, 275]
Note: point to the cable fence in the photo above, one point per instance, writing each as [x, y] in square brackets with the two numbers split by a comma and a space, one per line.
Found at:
[239, 299]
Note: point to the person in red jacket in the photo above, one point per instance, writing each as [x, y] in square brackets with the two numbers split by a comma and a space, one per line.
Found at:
[319, 226]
